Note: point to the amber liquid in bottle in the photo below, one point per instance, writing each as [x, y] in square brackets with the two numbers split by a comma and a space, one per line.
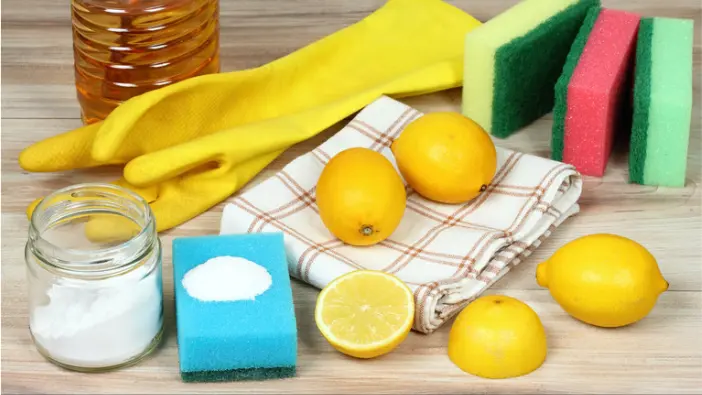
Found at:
[123, 48]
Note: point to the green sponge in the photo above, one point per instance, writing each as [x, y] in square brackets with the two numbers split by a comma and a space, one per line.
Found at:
[512, 62]
[662, 102]
[238, 374]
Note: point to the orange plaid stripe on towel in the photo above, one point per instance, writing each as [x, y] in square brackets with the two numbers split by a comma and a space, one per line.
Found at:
[447, 254]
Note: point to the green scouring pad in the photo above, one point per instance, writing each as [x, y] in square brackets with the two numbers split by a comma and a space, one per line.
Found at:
[662, 102]
[512, 62]
[253, 374]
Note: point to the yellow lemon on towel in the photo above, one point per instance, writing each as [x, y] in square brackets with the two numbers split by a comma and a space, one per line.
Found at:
[603, 279]
[497, 336]
[365, 313]
[446, 157]
[361, 197]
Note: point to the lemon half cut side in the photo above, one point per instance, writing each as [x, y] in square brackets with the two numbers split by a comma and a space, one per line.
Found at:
[365, 313]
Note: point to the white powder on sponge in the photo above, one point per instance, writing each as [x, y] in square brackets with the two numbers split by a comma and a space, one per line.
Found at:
[226, 279]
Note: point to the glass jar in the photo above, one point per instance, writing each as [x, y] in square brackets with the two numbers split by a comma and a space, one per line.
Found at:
[94, 278]
[123, 48]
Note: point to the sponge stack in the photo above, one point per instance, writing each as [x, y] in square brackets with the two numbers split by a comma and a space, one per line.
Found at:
[234, 308]
[592, 92]
[512, 62]
[662, 102]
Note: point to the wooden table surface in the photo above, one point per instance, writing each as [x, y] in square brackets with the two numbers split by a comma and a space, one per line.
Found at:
[662, 353]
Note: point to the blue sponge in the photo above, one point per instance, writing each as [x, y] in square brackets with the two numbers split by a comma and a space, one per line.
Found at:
[234, 339]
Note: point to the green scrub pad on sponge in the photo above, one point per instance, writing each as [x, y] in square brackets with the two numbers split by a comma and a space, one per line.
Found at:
[662, 102]
[594, 90]
[234, 309]
[512, 62]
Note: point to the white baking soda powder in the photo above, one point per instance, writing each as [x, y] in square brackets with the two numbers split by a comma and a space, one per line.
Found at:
[99, 326]
[227, 279]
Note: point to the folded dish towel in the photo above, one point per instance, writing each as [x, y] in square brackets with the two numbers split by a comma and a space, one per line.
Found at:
[447, 254]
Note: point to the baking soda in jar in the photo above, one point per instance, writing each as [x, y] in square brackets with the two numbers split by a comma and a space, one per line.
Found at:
[94, 278]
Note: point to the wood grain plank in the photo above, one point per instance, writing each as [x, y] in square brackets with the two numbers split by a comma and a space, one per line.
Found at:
[642, 358]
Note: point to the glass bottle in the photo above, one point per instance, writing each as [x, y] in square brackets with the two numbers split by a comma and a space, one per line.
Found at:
[94, 278]
[123, 48]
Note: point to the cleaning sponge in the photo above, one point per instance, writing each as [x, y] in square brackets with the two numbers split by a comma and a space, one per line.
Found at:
[512, 62]
[234, 309]
[662, 102]
[591, 92]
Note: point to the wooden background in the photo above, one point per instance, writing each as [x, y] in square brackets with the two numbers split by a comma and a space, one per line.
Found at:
[662, 353]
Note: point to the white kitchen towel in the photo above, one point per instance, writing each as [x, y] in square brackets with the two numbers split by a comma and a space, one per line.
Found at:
[447, 254]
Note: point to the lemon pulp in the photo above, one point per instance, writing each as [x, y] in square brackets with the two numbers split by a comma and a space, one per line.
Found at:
[365, 313]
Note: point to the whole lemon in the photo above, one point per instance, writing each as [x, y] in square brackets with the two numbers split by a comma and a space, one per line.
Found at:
[445, 157]
[603, 279]
[361, 197]
[496, 337]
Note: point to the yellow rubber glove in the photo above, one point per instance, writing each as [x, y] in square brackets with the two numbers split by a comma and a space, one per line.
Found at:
[190, 145]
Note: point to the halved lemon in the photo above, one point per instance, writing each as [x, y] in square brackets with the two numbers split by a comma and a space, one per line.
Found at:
[365, 313]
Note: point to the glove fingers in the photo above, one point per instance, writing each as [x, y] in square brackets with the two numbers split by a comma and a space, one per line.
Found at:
[174, 201]
[111, 229]
[147, 193]
[66, 151]
[182, 200]
[116, 228]
[240, 145]
[32, 206]
[172, 115]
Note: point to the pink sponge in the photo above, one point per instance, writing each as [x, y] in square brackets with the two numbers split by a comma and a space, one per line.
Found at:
[592, 90]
